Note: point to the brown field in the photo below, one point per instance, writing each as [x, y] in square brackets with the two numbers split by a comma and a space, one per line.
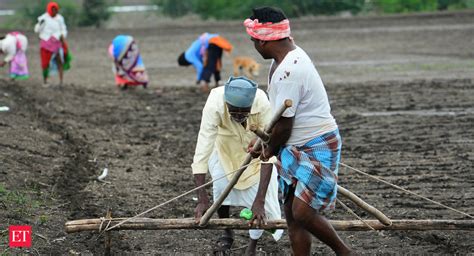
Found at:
[401, 89]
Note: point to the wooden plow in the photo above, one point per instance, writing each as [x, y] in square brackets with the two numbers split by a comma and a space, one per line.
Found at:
[382, 222]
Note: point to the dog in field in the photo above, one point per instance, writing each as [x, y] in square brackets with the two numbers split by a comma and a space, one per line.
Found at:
[246, 66]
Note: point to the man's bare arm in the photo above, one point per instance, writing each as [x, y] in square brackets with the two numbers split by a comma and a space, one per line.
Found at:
[258, 206]
[279, 136]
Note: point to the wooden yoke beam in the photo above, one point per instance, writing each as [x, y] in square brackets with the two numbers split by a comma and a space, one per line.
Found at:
[340, 225]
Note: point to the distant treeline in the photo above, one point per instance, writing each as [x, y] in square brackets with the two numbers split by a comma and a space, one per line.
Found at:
[225, 9]
[95, 12]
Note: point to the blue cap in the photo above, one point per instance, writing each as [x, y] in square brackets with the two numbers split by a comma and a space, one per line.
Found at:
[240, 91]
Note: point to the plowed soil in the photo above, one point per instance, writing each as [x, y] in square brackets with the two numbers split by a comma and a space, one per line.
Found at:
[401, 89]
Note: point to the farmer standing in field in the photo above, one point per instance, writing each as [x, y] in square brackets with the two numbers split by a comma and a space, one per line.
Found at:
[14, 46]
[205, 54]
[221, 149]
[53, 47]
[306, 138]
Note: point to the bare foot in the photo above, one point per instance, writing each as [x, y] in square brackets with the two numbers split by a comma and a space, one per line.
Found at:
[251, 248]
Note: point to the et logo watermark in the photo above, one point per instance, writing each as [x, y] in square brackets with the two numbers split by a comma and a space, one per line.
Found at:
[20, 236]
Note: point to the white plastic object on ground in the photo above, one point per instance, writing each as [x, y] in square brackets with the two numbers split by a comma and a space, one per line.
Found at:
[104, 174]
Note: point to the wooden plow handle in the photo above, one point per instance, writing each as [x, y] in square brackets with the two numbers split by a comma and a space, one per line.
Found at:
[365, 206]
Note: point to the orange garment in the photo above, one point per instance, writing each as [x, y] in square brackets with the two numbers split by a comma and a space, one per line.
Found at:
[222, 43]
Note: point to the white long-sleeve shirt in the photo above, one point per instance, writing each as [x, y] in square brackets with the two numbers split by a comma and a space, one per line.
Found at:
[230, 139]
[8, 45]
[48, 26]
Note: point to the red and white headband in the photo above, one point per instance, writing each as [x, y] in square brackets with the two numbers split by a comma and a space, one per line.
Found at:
[268, 31]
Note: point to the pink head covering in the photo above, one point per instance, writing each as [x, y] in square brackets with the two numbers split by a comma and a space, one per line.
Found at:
[268, 31]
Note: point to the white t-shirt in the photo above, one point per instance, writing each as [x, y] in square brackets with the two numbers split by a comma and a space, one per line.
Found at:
[48, 26]
[297, 79]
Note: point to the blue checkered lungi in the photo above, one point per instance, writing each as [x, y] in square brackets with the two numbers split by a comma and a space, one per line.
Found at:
[312, 170]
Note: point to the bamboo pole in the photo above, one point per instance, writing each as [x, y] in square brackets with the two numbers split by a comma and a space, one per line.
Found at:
[365, 206]
[208, 214]
[340, 225]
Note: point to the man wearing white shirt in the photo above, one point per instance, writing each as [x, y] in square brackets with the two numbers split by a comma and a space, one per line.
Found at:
[306, 138]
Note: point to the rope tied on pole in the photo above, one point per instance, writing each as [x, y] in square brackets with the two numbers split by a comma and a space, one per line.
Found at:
[174, 198]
